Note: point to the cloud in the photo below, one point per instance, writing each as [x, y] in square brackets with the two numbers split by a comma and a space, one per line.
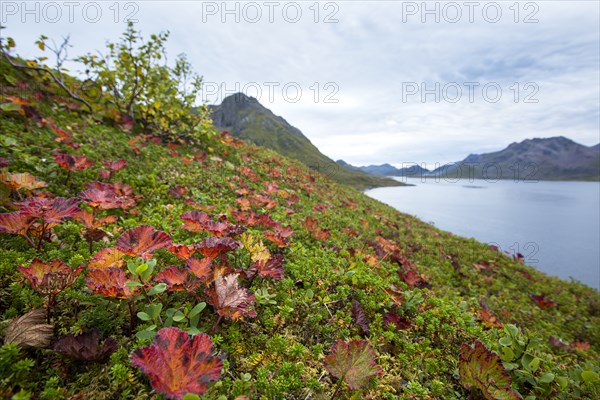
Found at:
[367, 60]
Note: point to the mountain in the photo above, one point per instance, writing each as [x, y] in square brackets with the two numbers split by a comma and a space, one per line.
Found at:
[245, 118]
[556, 158]
[387, 169]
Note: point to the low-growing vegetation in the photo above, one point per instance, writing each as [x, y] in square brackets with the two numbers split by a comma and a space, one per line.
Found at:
[141, 258]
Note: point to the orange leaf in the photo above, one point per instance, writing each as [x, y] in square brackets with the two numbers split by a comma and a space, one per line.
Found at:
[142, 241]
[110, 282]
[107, 257]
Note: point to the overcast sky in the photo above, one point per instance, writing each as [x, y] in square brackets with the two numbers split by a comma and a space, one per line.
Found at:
[371, 82]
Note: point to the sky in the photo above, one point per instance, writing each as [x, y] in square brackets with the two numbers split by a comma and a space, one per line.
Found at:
[369, 82]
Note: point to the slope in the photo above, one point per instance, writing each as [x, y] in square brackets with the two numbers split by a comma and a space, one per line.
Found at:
[354, 269]
[245, 118]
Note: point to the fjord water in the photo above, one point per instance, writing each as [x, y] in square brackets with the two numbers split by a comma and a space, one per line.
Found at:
[555, 225]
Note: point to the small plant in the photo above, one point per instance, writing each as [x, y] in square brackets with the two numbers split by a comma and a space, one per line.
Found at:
[186, 317]
[229, 299]
[178, 364]
[36, 218]
[352, 363]
[482, 369]
[50, 278]
[85, 347]
[72, 163]
[263, 297]
[21, 182]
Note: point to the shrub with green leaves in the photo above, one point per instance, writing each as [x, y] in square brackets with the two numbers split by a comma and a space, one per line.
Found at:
[137, 83]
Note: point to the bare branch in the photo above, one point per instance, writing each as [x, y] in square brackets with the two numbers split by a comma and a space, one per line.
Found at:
[58, 81]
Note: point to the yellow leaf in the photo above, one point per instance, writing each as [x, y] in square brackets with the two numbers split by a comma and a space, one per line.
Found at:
[257, 249]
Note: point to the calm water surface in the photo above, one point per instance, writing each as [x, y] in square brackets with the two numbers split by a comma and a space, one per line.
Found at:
[555, 225]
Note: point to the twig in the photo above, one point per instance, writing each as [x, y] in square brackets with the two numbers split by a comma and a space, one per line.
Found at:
[310, 393]
[54, 77]
[331, 302]
[214, 328]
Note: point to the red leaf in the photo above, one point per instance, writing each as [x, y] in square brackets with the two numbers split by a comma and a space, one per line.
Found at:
[261, 200]
[489, 319]
[178, 191]
[557, 343]
[118, 188]
[50, 278]
[105, 174]
[177, 279]
[21, 181]
[125, 121]
[249, 218]
[142, 241]
[200, 268]
[229, 299]
[60, 133]
[105, 199]
[115, 165]
[182, 251]
[73, 163]
[110, 282]
[413, 279]
[398, 321]
[107, 257]
[581, 346]
[526, 274]
[484, 265]
[350, 232]
[280, 235]
[87, 219]
[60, 209]
[542, 302]
[177, 364]
[15, 223]
[312, 226]
[85, 347]
[51, 211]
[215, 246]
[396, 296]
[353, 362]
[359, 317]
[197, 221]
[272, 268]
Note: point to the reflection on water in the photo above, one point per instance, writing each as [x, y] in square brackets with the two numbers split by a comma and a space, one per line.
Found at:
[555, 225]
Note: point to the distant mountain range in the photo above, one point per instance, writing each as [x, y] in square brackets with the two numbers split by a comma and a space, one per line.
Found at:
[556, 158]
[387, 169]
[245, 118]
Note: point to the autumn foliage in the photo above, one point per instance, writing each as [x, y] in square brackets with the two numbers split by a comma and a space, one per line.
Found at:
[178, 364]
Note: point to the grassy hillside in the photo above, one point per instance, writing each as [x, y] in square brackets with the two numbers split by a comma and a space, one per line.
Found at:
[354, 269]
[245, 118]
